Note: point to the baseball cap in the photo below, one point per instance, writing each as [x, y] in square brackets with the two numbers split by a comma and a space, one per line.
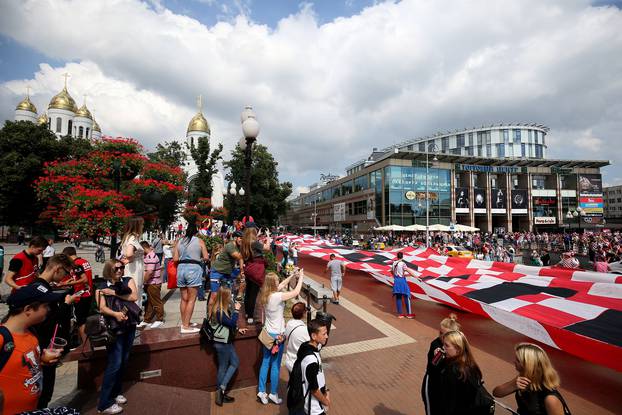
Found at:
[35, 292]
[237, 234]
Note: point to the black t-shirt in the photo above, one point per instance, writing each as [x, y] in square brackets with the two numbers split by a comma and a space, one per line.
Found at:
[532, 402]
[257, 248]
[60, 313]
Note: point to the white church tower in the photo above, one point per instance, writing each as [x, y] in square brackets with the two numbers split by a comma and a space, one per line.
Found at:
[198, 127]
[61, 112]
[26, 110]
[83, 122]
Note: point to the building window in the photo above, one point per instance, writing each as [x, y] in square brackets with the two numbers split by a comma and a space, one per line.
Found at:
[537, 182]
[479, 151]
[422, 147]
[516, 133]
[80, 131]
[470, 151]
[539, 154]
[455, 151]
[87, 132]
[522, 150]
[471, 140]
[480, 138]
[444, 144]
[500, 150]
[69, 127]
[536, 137]
[506, 135]
[529, 136]
[460, 140]
[360, 183]
[410, 147]
[488, 150]
[59, 124]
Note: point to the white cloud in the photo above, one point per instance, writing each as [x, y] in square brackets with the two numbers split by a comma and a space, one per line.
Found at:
[326, 94]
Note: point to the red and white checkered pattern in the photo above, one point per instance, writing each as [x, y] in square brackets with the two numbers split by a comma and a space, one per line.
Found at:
[579, 312]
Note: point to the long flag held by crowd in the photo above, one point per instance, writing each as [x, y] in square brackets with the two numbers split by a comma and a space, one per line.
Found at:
[579, 312]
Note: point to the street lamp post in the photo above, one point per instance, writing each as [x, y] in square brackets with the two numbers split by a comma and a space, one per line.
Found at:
[233, 191]
[250, 128]
[432, 147]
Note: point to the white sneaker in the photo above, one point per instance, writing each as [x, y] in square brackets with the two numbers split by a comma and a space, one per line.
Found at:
[142, 324]
[190, 330]
[275, 399]
[121, 400]
[113, 409]
[263, 397]
[156, 324]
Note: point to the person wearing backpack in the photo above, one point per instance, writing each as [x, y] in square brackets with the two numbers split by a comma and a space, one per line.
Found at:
[306, 391]
[461, 379]
[221, 314]
[535, 386]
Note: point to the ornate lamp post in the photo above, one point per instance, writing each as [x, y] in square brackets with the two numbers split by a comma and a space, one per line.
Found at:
[233, 191]
[250, 128]
[433, 148]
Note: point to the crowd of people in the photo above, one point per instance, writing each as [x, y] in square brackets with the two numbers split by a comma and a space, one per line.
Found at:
[233, 276]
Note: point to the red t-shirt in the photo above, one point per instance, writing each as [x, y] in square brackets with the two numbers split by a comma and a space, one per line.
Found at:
[21, 378]
[82, 266]
[25, 267]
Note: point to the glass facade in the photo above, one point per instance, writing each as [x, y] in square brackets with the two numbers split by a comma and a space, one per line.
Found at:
[405, 195]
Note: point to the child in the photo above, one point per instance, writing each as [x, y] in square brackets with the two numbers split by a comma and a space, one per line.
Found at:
[20, 376]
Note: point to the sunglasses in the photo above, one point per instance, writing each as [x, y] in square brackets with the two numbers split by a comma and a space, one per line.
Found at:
[119, 267]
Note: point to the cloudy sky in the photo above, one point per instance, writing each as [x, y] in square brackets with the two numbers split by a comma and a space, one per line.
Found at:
[328, 79]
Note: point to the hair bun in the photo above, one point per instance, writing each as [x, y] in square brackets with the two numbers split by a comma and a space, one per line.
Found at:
[453, 317]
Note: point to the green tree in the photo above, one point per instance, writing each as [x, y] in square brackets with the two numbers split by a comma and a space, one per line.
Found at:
[24, 149]
[169, 152]
[267, 193]
[205, 159]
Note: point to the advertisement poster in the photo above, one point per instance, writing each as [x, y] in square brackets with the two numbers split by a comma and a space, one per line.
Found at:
[479, 196]
[545, 220]
[370, 208]
[519, 201]
[498, 201]
[592, 205]
[462, 200]
[590, 184]
[339, 212]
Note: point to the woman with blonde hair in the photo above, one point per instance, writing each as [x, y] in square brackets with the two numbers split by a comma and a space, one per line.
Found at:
[132, 255]
[252, 250]
[430, 388]
[228, 362]
[535, 386]
[273, 302]
[459, 376]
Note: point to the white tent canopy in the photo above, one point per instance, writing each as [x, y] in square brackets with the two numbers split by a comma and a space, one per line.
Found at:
[391, 228]
[439, 227]
[465, 228]
[415, 228]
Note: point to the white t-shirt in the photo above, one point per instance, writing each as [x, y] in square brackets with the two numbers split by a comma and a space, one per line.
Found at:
[275, 322]
[294, 252]
[398, 269]
[48, 251]
[296, 333]
[167, 250]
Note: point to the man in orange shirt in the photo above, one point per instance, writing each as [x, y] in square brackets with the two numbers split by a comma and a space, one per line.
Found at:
[20, 355]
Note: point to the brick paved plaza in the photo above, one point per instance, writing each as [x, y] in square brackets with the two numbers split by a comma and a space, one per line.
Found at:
[374, 362]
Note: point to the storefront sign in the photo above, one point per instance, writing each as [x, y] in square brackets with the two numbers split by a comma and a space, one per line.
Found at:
[486, 169]
[462, 210]
[593, 220]
[544, 201]
[410, 195]
[545, 220]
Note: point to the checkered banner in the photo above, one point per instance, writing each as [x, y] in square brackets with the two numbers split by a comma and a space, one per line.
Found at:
[579, 312]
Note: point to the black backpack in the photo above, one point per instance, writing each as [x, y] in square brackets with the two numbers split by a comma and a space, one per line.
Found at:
[7, 348]
[484, 403]
[295, 392]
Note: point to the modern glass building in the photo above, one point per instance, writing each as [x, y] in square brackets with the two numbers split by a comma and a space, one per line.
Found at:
[491, 193]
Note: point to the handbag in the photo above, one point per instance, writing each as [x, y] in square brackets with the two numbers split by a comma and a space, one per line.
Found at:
[266, 339]
[97, 329]
[171, 272]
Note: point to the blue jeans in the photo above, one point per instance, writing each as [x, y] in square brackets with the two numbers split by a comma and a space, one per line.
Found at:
[272, 362]
[228, 363]
[398, 303]
[118, 354]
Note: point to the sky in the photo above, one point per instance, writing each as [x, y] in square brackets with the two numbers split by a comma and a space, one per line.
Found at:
[328, 79]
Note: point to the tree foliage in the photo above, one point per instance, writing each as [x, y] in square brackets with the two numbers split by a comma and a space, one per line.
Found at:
[169, 152]
[81, 194]
[205, 160]
[24, 149]
[267, 193]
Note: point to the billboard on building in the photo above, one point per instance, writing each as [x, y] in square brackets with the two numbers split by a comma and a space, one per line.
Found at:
[591, 194]
[590, 184]
[498, 201]
[479, 199]
[339, 212]
[462, 200]
[519, 201]
[370, 208]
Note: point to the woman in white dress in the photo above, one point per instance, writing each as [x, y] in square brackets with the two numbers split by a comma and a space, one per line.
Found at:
[132, 254]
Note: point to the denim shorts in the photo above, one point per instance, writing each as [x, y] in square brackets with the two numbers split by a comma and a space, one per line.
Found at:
[189, 275]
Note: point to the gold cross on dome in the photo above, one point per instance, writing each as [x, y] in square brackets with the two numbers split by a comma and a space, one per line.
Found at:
[66, 75]
[200, 103]
[28, 88]
[84, 99]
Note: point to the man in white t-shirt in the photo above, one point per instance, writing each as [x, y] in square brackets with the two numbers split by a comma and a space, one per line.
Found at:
[295, 334]
[337, 272]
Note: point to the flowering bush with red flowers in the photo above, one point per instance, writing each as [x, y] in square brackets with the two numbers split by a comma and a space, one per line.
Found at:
[81, 193]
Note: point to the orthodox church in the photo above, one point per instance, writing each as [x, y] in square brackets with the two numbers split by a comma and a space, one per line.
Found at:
[63, 116]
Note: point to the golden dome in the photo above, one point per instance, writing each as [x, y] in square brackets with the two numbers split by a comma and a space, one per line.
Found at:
[198, 123]
[84, 112]
[26, 105]
[96, 126]
[63, 101]
[43, 119]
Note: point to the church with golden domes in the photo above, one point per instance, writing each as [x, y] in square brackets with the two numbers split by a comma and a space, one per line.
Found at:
[63, 116]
